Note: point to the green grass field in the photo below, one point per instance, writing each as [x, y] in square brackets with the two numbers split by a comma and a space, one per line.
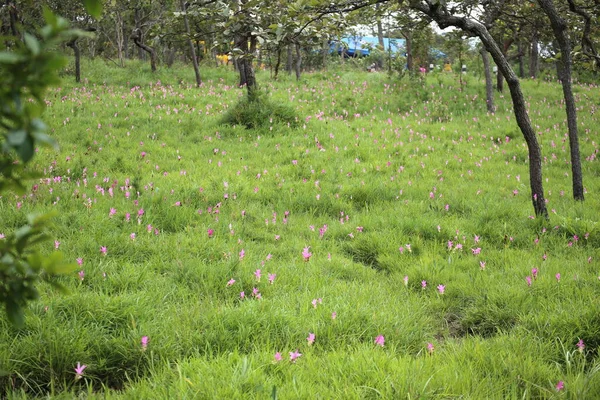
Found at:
[393, 223]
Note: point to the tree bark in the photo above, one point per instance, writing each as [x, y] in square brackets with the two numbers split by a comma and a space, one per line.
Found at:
[444, 20]
[379, 29]
[325, 53]
[137, 39]
[119, 33]
[138, 26]
[559, 27]
[298, 63]
[534, 55]
[489, 86]
[191, 44]
[277, 63]
[289, 60]
[521, 61]
[73, 44]
[409, 56]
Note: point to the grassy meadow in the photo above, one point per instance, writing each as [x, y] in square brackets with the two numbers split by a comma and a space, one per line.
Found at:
[382, 246]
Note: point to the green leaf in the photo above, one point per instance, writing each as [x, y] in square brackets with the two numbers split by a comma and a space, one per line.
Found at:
[93, 7]
[26, 150]
[32, 43]
[16, 138]
[8, 57]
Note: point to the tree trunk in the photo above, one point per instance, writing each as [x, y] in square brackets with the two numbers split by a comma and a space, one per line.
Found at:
[298, 63]
[379, 29]
[534, 55]
[137, 39]
[559, 27]
[489, 85]
[73, 44]
[191, 43]
[521, 61]
[278, 62]
[119, 32]
[289, 60]
[12, 17]
[138, 26]
[444, 20]
[409, 55]
[325, 52]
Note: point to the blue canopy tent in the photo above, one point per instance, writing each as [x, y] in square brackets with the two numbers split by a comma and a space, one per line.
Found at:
[360, 46]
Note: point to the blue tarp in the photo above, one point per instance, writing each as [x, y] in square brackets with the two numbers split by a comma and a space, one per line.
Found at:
[360, 46]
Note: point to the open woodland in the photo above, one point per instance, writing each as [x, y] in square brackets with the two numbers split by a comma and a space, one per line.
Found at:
[335, 234]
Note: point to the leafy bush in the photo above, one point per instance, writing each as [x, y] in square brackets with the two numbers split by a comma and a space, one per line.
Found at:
[256, 110]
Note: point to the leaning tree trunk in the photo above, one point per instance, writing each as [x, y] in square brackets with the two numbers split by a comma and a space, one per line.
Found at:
[559, 27]
[298, 63]
[191, 43]
[137, 39]
[489, 85]
[73, 44]
[444, 20]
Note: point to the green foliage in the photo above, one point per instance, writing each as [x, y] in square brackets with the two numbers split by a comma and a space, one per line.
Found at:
[256, 110]
[25, 74]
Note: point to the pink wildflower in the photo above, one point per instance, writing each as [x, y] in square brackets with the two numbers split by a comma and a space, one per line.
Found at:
[310, 338]
[306, 253]
[79, 371]
[380, 340]
[278, 357]
[144, 342]
[294, 355]
[441, 289]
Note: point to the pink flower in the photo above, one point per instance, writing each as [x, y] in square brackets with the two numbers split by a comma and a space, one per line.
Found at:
[558, 277]
[430, 348]
[476, 251]
[294, 355]
[79, 261]
[132, 236]
[380, 340]
[103, 250]
[56, 244]
[405, 280]
[333, 315]
[306, 254]
[560, 386]
[242, 295]
[534, 272]
[441, 289]
[144, 342]
[230, 282]
[79, 371]
[278, 357]
[272, 278]
[528, 280]
[423, 284]
[580, 345]
[257, 274]
[242, 254]
[210, 233]
[482, 265]
[310, 338]
[112, 212]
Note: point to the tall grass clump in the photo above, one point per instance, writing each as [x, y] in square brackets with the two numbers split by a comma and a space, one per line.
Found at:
[256, 110]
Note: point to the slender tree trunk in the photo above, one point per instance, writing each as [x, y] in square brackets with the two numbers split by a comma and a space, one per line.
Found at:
[12, 17]
[278, 62]
[137, 39]
[379, 28]
[559, 27]
[289, 60]
[409, 55]
[521, 60]
[489, 85]
[325, 52]
[298, 64]
[445, 20]
[247, 75]
[138, 22]
[119, 33]
[191, 44]
[534, 55]
[73, 44]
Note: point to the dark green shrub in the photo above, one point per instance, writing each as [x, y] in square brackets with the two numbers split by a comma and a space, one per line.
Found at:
[256, 110]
